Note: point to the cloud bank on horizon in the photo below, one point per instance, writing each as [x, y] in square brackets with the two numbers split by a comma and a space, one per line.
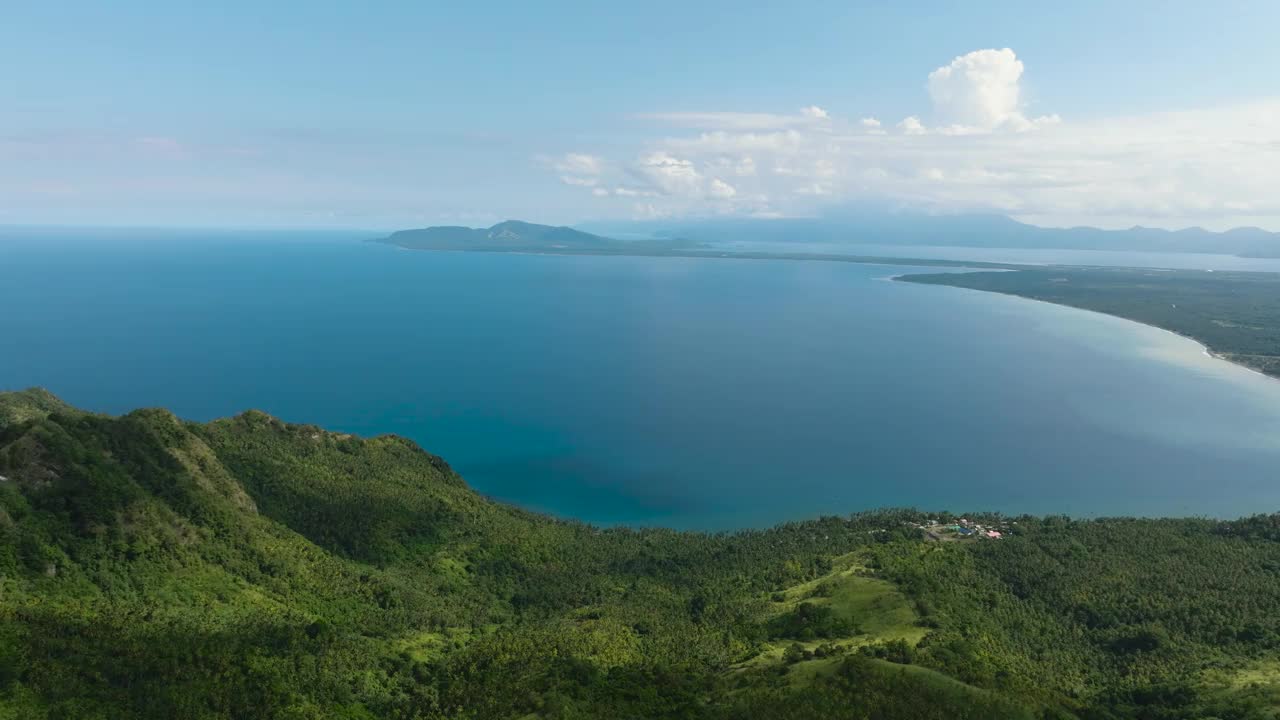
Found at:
[978, 149]
[244, 115]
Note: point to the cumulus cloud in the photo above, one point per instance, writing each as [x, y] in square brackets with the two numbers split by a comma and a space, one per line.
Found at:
[911, 125]
[815, 112]
[981, 92]
[669, 174]
[678, 179]
[977, 150]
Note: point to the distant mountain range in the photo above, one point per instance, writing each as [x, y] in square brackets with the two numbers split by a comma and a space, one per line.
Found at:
[902, 229]
[987, 231]
[514, 236]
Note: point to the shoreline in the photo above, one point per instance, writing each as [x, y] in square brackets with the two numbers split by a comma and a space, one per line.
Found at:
[1205, 349]
[990, 513]
[974, 266]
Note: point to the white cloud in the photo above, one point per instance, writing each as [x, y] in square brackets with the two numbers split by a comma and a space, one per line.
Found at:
[632, 192]
[721, 189]
[578, 181]
[732, 163]
[815, 112]
[670, 174]
[911, 125]
[981, 92]
[979, 152]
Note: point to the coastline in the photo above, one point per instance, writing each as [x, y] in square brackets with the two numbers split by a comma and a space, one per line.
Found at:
[1205, 349]
[712, 254]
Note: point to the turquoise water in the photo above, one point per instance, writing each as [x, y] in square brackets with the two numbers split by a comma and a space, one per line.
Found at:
[686, 392]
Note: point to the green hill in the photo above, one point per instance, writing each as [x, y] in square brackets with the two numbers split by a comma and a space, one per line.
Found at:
[518, 236]
[152, 567]
[16, 407]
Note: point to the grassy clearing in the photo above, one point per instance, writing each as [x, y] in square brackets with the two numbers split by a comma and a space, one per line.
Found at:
[427, 646]
[803, 674]
[1263, 674]
[932, 677]
[874, 607]
[424, 646]
[1256, 686]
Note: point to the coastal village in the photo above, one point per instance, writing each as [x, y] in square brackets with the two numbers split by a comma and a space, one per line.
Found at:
[962, 529]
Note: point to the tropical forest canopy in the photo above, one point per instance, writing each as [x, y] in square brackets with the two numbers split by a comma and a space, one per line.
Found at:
[156, 568]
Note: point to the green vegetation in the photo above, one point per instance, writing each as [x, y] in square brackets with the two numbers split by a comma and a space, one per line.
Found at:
[517, 236]
[1235, 314]
[151, 567]
[16, 407]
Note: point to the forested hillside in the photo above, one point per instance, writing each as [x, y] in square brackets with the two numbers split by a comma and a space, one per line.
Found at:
[157, 568]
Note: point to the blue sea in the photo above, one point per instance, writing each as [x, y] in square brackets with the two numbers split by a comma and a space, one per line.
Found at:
[694, 393]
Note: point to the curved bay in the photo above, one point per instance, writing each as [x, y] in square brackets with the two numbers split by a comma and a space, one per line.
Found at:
[686, 392]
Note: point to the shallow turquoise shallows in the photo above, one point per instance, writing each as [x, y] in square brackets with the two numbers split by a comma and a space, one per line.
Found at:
[692, 393]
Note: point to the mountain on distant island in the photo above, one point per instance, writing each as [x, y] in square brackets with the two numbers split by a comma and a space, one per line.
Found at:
[515, 235]
[879, 227]
[861, 228]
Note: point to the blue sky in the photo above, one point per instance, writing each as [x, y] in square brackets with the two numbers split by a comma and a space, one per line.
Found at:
[399, 113]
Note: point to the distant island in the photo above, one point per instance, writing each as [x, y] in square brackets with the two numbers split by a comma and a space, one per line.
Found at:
[519, 236]
[514, 236]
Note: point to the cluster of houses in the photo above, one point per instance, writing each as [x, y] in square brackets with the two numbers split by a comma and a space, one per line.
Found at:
[963, 528]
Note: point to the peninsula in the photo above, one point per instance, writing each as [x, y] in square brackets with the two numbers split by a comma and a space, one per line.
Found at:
[1235, 315]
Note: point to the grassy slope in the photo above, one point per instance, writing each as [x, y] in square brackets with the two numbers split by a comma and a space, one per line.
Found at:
[16, 407]
[874, 609]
